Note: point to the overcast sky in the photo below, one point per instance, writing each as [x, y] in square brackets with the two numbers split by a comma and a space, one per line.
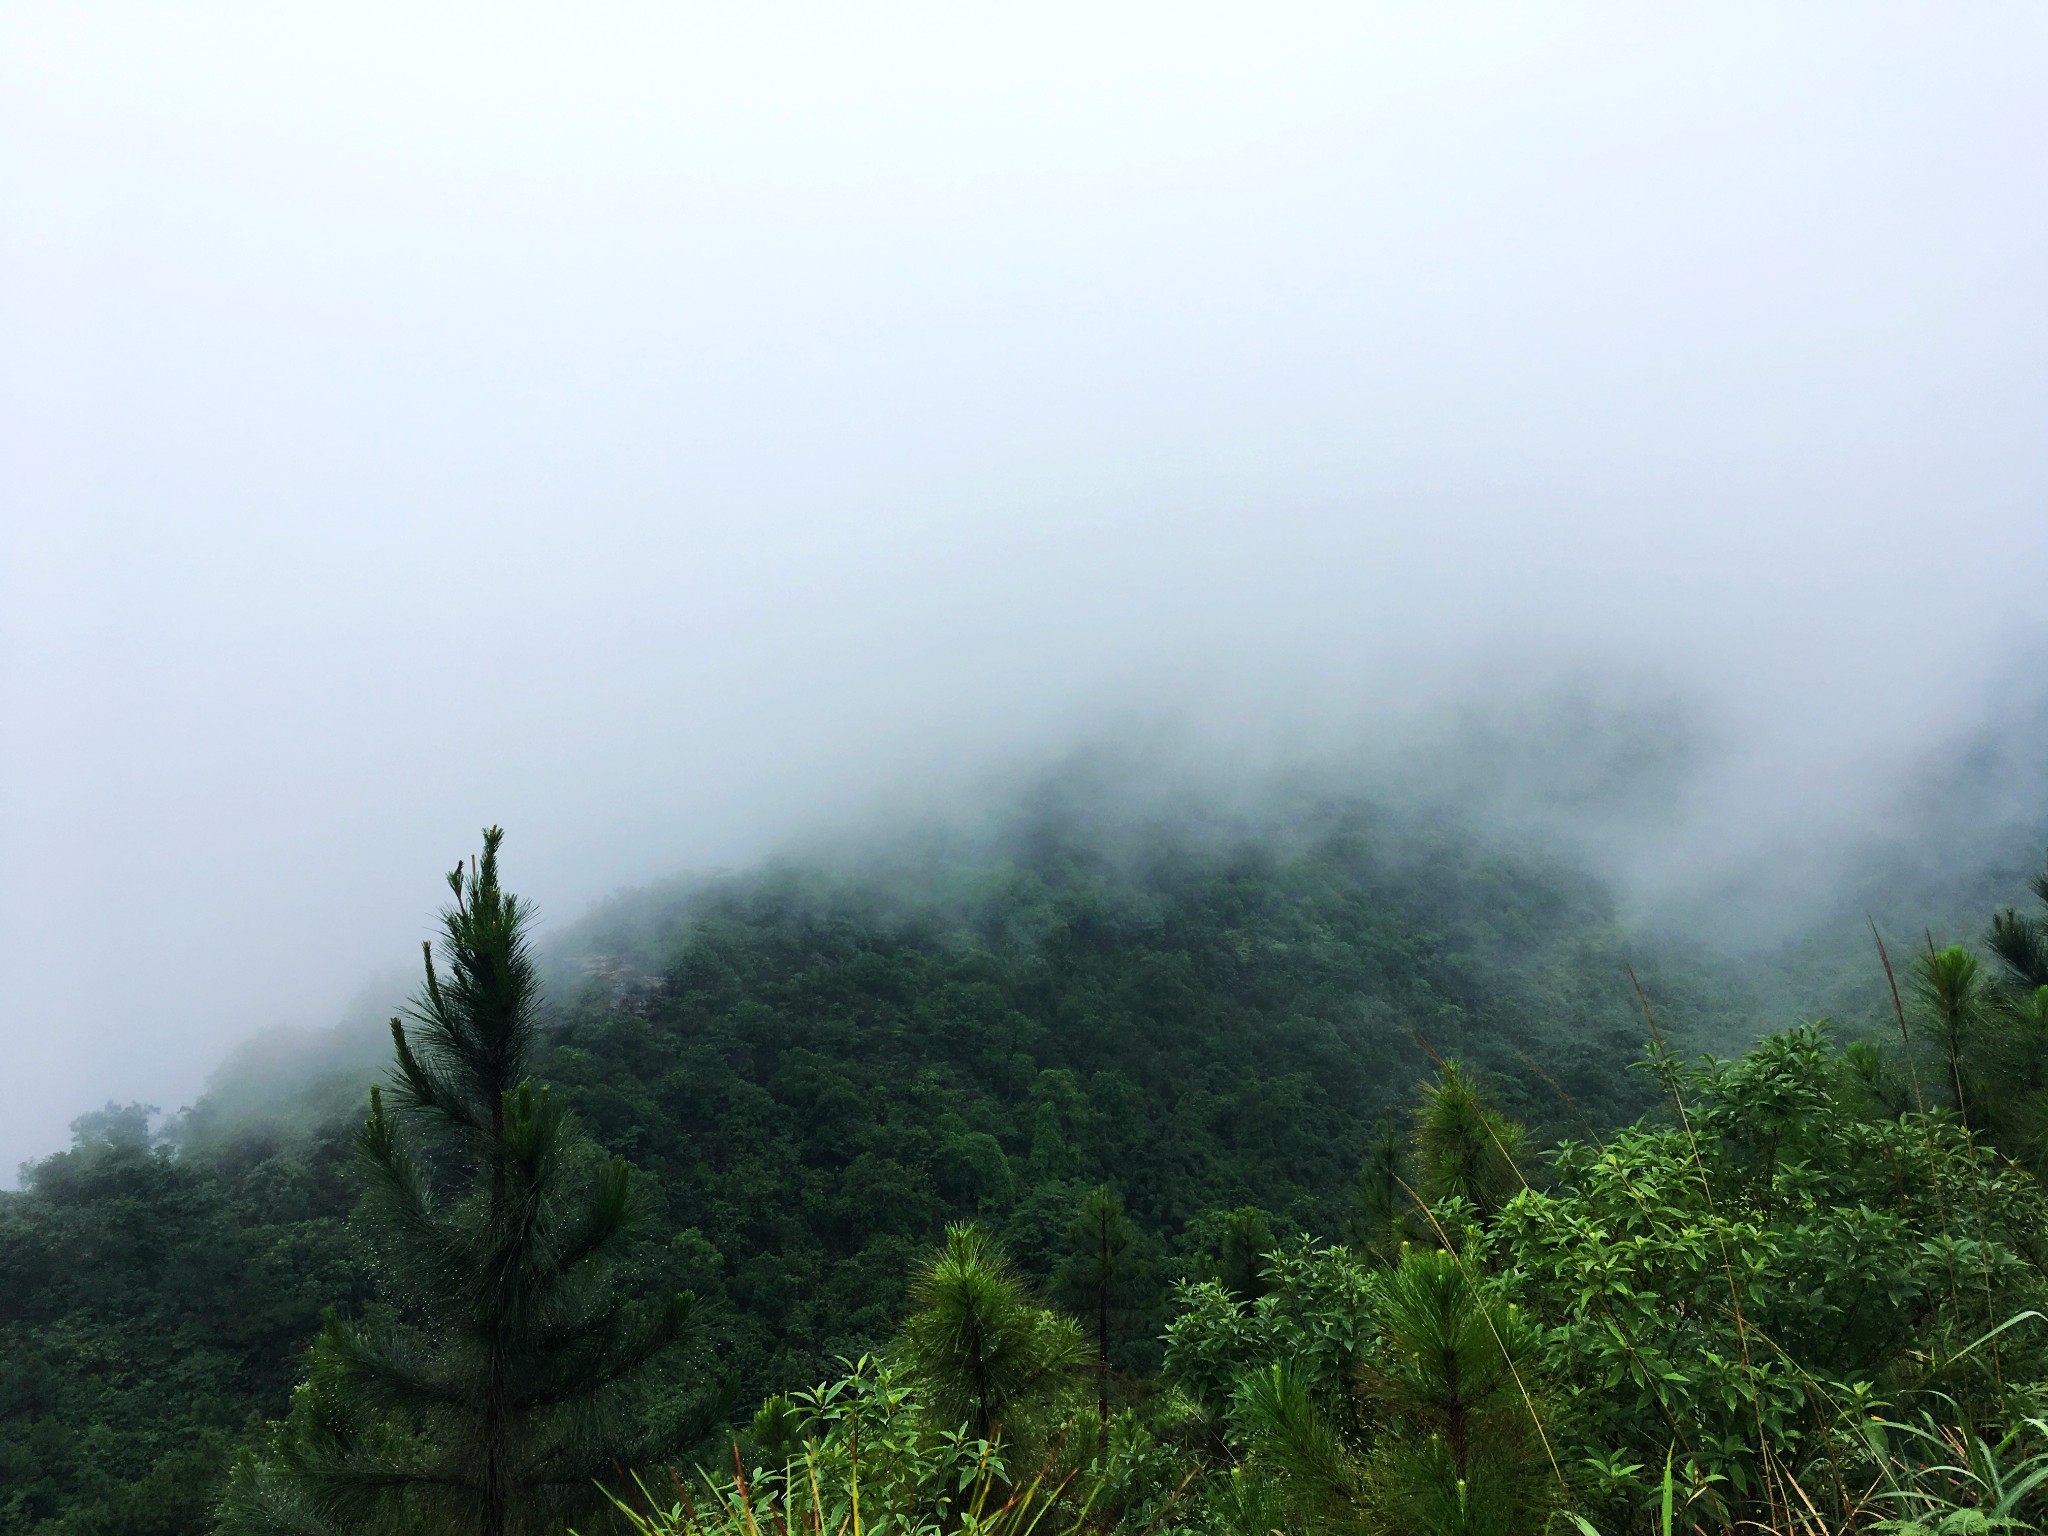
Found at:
[656, 428]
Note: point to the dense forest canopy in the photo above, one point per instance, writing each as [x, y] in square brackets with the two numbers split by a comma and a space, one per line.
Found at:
[1156, 1075]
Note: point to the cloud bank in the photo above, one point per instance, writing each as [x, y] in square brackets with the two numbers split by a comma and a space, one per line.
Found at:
[662, 428]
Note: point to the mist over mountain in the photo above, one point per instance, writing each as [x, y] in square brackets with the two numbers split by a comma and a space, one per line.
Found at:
[1215, 992]
[1239, 770]
[1591, 777]
[666, 433]
[1215, 981]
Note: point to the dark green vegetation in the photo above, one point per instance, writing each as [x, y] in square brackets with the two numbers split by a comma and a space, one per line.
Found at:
[822, 1071]
[1155, 1070]
[1785, 1304]
[150, 1305]
[506, 1373]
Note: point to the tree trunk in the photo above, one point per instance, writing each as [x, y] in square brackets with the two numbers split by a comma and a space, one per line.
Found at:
[1102, 1352]
[1454, 1416]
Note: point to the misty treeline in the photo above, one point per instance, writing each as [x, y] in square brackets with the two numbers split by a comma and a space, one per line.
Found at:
[1314, 1177]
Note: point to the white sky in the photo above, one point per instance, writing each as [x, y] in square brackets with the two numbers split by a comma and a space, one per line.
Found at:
[656, 427]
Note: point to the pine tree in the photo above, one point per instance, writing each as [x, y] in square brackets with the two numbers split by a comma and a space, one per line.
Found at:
[987, 1356]
[1464, 1147]
[1380, 1201]
[1872, 1080]
[509, 1371]
[1314, 1480]
[1244, 1238]
[1456, 1448]
[1097, 1271]
[2021, 940]
[1462, 1454]
[1954, 1009]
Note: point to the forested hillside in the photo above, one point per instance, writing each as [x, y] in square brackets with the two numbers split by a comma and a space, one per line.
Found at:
[1215, 1089]
[822, 1069]
[153, 1300]
[816, 1067]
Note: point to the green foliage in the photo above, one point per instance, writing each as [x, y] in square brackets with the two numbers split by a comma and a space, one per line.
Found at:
[981, 1350]
[2020, 940]
[1943, 1480]
[1750, 1283]
[868, 1432]
[1972, 1045]
[1230, 1247]
[509, 1371]
[1954, 1010]
[1394, 1397]
[822, 1070]
[1313, 1315]
[813, 1075]
[151, 1297]
[1099, 1275]
[1383, 1198]
[1293, 1447]
[1463, 1451]
[1465, 1150]
[1742, 1291]
[865, 1452]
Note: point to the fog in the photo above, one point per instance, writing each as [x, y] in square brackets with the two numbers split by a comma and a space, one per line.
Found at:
[666, 429]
